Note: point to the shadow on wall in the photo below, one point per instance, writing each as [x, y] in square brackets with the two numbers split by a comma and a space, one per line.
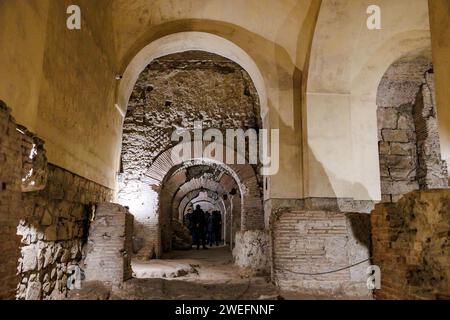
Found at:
[322, 234]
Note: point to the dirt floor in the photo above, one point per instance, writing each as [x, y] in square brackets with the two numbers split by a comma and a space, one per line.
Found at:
[193, 274]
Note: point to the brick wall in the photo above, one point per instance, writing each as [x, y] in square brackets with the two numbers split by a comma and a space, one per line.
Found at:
[411, 245]
[321, 241]
[10, 206]
[108, 256]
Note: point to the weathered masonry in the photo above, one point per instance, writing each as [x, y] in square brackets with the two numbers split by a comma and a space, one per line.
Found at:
[94, 205]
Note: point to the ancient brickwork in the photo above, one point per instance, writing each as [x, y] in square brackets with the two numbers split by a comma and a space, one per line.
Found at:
[409, 149]
[10, 206]
[108, 254]
[53, 232]
[411, 245]
[305, 243]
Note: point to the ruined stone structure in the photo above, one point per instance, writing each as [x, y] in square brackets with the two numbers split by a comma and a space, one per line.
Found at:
[411, 245]
[10, 208]
[357, 124]
[409, 147]
[110, 245]
[171, 94]
[54, 229]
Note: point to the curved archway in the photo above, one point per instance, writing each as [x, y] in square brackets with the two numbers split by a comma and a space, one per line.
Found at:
[182, 205]
[408, 138]
[189, 41]
[187, 189]
[343, 78]
[148, 210]
[148, 144]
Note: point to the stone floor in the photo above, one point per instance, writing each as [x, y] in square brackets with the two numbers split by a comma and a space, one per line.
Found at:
[191, 275]
[214, 265]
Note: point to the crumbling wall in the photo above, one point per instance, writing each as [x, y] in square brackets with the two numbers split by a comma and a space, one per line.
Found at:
[10, 202]
[53, 230]
[411, 245]
[431, 170]
[409, 148]
[109, 248]
[313, 252]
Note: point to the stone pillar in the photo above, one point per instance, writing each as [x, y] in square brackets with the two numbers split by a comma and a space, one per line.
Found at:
[109, 248]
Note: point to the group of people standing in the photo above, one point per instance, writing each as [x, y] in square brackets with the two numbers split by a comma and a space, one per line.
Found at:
[205, 227]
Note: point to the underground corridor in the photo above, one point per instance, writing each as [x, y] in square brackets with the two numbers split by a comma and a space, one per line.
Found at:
[224, 150]
[198, 203]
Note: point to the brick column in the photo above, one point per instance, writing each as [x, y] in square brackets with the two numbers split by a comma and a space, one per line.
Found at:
[109, 249]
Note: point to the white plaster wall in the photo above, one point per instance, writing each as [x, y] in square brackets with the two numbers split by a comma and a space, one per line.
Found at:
[346, 66]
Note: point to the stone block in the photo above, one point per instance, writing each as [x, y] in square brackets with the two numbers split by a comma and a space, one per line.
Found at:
[47, 218]
[29, 258]
[403, 149]
[404, 136]
[51, 233]
[34, 291]
[387, 118]
[252, 250]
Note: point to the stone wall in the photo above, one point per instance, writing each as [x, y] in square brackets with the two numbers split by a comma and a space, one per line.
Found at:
[411, 245]
[252, 250]
[109, 249]
[10, 207]
[34, 161]
[308, 243]
[431, 170]
[409, 148]
[53, 232]
[176, 90]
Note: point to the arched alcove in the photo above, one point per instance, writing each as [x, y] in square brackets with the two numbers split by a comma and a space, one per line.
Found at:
[409, 146]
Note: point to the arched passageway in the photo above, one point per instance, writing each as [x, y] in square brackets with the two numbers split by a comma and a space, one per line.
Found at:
[173, 94]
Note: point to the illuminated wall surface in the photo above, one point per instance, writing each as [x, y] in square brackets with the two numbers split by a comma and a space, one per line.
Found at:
[354, 97]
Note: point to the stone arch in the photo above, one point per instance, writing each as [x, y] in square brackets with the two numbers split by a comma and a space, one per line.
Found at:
[186, 189]
[243, 174]
[340, 98]
[409, 144]
[172, 194]
[189, 41]
[140, 187]
[144, 198]
[180, 206]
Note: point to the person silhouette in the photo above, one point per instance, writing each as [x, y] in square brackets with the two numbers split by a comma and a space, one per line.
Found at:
[199, 224]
